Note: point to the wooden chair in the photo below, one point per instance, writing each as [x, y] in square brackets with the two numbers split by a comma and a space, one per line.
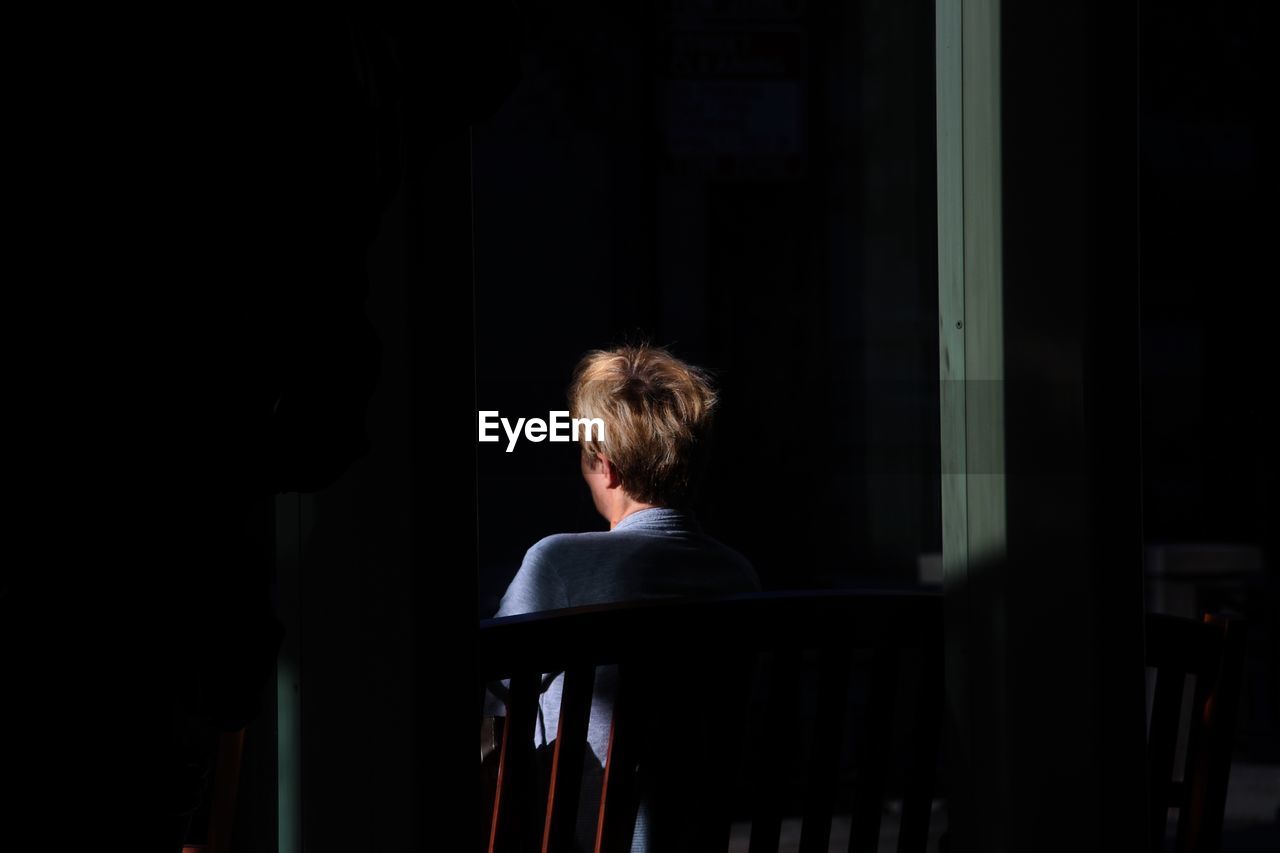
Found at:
[709, 700]
[1213, 652]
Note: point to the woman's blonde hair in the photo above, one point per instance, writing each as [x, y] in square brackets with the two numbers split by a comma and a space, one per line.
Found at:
[657, 413]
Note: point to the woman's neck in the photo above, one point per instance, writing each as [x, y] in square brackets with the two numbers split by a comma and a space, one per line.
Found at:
[628, 507]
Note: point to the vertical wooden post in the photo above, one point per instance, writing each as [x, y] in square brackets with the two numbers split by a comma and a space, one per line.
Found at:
[971, 374]
[1039, 369]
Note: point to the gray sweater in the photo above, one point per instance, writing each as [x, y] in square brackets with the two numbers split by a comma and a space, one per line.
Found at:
[653, 553]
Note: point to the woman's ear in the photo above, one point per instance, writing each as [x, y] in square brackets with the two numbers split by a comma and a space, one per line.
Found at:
[611, 479]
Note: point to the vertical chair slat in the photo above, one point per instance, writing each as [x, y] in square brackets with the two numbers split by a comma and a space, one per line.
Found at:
[1188, 820]
[824, 751]
[1166, 708]
[780, 716]
[1209, 741]
[739, 675]
[515, 814]
[873, 754]
[1173, 651]
[488, 788]
[1220, 723]
[618, 796]
[917, 801]
[683, 769]
[566, 763]
[489, 782]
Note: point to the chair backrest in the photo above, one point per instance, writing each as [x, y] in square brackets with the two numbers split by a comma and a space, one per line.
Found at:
[1212, 651]
[709, 704]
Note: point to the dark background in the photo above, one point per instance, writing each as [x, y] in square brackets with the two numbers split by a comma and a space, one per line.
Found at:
[244, 266]
[1209, 449]
[1205, 276]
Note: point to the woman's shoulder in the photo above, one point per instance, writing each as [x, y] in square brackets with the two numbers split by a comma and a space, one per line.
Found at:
[565, 555]
[538, 583]
[566, 543]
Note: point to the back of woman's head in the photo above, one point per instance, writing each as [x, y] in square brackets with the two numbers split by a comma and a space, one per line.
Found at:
[657, 412]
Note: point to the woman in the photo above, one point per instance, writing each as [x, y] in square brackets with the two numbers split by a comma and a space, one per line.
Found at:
[642, 472]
